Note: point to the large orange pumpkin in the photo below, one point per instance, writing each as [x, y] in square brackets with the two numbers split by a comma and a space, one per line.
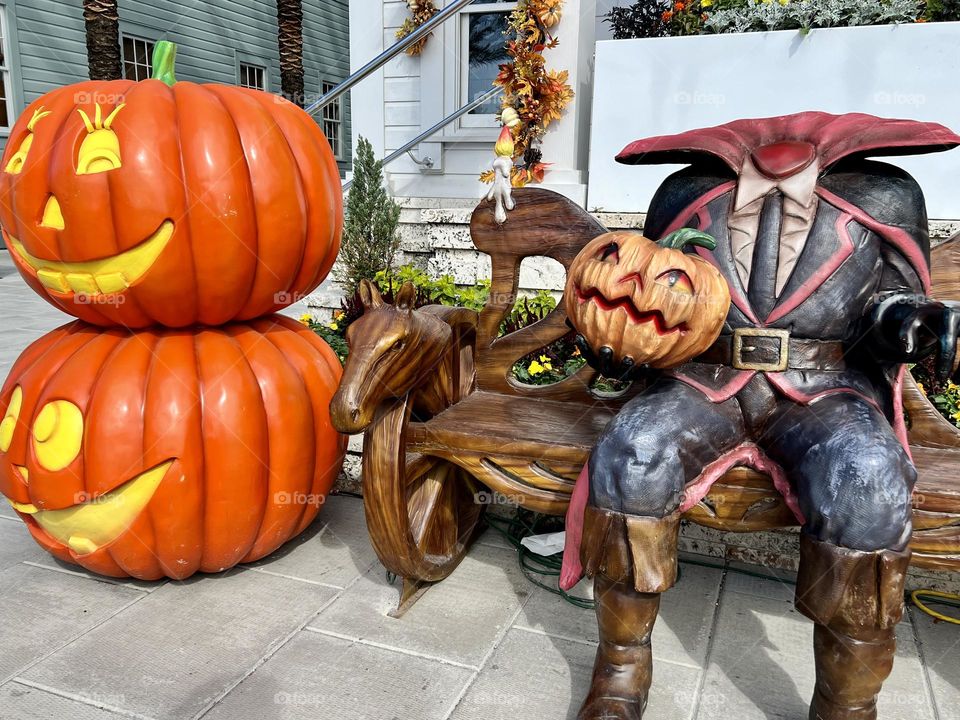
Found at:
[139, 203]
[165, 452]
[649, 302]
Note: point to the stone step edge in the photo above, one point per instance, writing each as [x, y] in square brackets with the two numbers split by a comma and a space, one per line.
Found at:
[939, 229]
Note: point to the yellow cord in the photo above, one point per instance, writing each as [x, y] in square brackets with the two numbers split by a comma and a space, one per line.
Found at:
[916, 594]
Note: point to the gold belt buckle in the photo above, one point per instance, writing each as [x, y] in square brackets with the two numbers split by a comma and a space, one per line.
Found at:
[739, 348]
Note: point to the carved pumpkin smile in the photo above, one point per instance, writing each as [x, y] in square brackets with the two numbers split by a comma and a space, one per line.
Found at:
[90, 526]
[94, 277]
[635, 314]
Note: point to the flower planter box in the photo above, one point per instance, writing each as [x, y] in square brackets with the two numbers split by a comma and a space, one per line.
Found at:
[666, 85]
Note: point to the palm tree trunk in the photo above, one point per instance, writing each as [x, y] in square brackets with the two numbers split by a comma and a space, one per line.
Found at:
[103, 39]
[290, 43]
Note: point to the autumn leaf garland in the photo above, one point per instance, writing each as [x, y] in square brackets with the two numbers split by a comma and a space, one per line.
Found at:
[420, 12]
[536, 95]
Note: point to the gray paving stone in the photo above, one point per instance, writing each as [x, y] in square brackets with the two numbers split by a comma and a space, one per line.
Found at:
[179, 648]
[904, 696]
[536, 676]
[334, 550]
[8, 512]
[682, 630]
[315, 676]
[940, 646]
[772, 587]
[43, 610]
[762, 664]
[51, 563]
[458, 620]
[16, 544]
[20, 702]
[493, 538]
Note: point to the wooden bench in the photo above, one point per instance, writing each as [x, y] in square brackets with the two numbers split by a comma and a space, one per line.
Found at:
[423, 470]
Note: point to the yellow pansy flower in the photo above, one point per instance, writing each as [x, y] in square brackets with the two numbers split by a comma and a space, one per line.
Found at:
[306, 318]
[706, 3]
[535, 368]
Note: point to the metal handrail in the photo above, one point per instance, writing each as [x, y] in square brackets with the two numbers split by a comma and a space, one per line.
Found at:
[388, 54]
[410, 144]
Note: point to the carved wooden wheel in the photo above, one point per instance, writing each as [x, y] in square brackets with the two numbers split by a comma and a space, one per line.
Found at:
[422, 511]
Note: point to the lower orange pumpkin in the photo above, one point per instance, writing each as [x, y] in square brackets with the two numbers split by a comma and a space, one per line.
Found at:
[167, 452]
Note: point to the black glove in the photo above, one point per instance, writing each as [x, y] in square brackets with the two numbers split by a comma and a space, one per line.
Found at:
[603, 362]
[908, 328]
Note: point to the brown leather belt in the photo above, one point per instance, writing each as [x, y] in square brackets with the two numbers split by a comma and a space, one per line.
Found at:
[770, 350]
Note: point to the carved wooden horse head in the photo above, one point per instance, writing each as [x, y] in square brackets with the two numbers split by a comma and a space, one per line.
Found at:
[393, 349]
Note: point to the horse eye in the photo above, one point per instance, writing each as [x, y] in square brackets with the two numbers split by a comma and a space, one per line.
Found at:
[611, 250]
[397, 346]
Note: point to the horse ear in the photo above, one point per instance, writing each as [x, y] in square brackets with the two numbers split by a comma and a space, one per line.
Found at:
[370, 295]
[406, 296]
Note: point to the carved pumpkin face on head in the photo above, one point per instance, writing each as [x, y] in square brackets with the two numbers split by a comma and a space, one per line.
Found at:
[646, 301]
[165, 452]
[126, 203]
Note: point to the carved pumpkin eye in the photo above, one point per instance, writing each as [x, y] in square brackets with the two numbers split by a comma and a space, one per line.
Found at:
[58, 434]
[15, 164]
[676, 280]
[100, 149]
[9, 422]
[610, 253]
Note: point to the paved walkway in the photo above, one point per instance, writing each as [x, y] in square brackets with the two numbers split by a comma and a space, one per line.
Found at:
[305, 633]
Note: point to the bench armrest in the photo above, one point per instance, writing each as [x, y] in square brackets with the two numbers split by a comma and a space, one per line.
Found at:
[543, 223]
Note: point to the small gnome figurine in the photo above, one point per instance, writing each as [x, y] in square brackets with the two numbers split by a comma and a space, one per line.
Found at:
[501, 190]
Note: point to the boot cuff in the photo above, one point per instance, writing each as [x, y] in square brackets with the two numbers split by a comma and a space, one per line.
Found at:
[850, 590]
[631, 548]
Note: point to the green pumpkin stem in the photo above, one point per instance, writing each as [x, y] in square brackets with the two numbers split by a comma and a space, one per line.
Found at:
[679, 239]
[164, 57]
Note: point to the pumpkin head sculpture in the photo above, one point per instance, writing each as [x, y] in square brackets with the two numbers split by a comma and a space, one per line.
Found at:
[649, 302]
[166, 452]
[163, 202]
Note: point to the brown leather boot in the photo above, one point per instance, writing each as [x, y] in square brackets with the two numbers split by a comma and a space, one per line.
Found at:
[856, 600]
[632, 559]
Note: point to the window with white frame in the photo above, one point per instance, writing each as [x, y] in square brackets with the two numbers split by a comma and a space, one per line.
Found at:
[483, 48]
[137, 57]
[332, 120]
[6, 85]
[253, 76]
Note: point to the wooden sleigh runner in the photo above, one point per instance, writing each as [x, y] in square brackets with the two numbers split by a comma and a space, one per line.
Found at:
[444, 420]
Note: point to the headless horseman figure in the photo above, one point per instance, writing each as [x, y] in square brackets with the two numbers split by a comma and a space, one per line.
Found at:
[827, 258]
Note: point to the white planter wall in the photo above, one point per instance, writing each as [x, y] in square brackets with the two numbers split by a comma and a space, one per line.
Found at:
[667, 85]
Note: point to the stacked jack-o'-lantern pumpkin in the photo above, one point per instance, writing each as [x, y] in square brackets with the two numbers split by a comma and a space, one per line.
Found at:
[177, 426]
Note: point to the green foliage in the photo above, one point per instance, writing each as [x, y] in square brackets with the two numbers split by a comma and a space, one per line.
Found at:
[643, 19]
[441, 291]
[757, 15]
[333, 333]
[942, 10]
[655, 18]
[370, 238]
[944, 396]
